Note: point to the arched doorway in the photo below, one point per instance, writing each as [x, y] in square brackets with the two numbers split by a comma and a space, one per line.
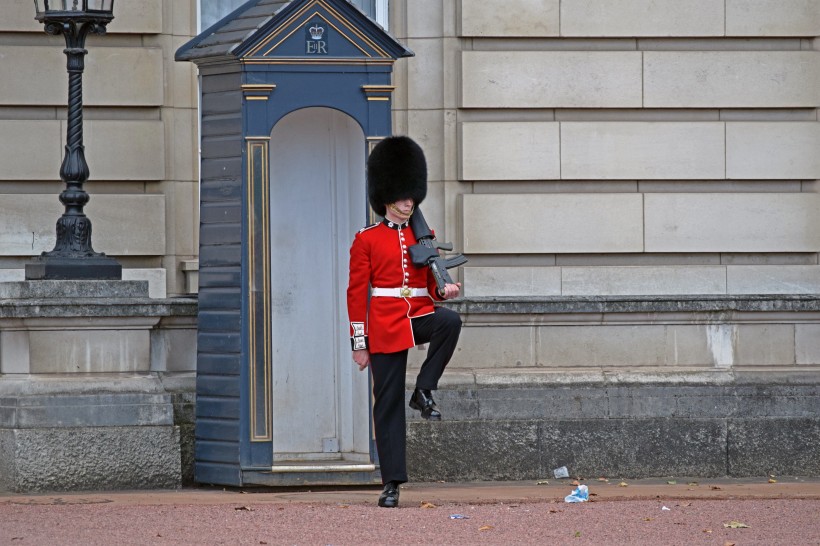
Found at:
[319, 398]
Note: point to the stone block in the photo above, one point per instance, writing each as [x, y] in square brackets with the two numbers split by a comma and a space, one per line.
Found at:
[551, 79]
[173, 345]
[425, 85]
[129, 224]
[494, 346]
[144, 17]
[91, 410]
[765, 345]
[731, 79]
[766, 401]
[807, 344]
[772, 150]
[89, 458]
[511, 281]
[627, 18]
[642, 150]
[114, 76]
[181, 155]
[772, 18]
[635, 448]
[691, 346]
[782, 447]
[19, 17]
[29, 150]
[521, 403]
[155, 278]
[426, 128]
[122, 224]
[773, 279]
[601, 346]
[472, 450]
[75, 350]
[125, 150]
[509, 151]
[425, 19]
[12, 275]
[14, 349]
[518, 18]
[552, 223]
[181, 18]
[642, 280]
[644, 402]
[764, 222]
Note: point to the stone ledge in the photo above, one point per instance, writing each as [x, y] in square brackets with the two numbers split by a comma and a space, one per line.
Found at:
[36, 290]
[97, 307]
[635, 304]
[93, 383]
[532, 377]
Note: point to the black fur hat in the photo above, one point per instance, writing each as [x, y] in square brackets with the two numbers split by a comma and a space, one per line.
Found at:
[396, 169]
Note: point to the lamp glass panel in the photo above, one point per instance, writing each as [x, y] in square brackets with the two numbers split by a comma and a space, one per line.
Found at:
[100, 5]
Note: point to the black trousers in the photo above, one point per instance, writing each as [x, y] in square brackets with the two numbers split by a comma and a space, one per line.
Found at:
[441, 329]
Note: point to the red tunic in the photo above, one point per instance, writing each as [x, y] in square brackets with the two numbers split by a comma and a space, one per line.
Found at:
[379, 259]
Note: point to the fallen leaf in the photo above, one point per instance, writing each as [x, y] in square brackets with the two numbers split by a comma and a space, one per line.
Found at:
[772, 480]
[577, 534]
[727, 543]
[554, 511]
[244, 508]
[602, 479]
[426, 504]
[343, 506]
[735, 525]
[692, 483]
[623, 484]
[715, 488]
[707, 530]
[486, 528]
[647, 519]
[542, 482]
[672, 482]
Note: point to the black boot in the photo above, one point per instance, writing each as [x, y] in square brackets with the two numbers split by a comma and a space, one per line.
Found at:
[390, 496]
[422, 400]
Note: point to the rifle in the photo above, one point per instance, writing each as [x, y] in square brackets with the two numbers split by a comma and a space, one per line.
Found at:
[425, 253]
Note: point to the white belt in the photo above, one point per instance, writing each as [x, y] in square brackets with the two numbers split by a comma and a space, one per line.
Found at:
[400, 292]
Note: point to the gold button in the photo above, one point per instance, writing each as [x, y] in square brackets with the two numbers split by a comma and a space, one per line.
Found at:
[405, 292]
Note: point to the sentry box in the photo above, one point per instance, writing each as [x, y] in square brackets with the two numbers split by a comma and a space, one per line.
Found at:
[293, 96]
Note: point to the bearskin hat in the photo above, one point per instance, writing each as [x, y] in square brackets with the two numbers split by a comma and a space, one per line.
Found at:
[396, 169]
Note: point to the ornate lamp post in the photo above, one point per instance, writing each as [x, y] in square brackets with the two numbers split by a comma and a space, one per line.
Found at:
[73, 257]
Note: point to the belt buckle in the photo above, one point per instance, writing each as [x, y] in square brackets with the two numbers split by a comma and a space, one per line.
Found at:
[405, 292]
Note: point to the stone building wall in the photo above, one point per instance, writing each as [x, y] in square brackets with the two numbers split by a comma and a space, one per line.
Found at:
[658, 135]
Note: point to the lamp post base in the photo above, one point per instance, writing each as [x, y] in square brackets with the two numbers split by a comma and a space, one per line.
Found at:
[50, 268]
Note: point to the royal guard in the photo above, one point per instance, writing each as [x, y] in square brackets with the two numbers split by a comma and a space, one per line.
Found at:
[391, 305]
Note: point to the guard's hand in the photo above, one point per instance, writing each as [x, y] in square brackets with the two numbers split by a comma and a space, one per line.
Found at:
[362, 358]
[451, 291]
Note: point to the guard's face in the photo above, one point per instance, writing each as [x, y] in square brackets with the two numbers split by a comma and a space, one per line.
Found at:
[403, 208]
